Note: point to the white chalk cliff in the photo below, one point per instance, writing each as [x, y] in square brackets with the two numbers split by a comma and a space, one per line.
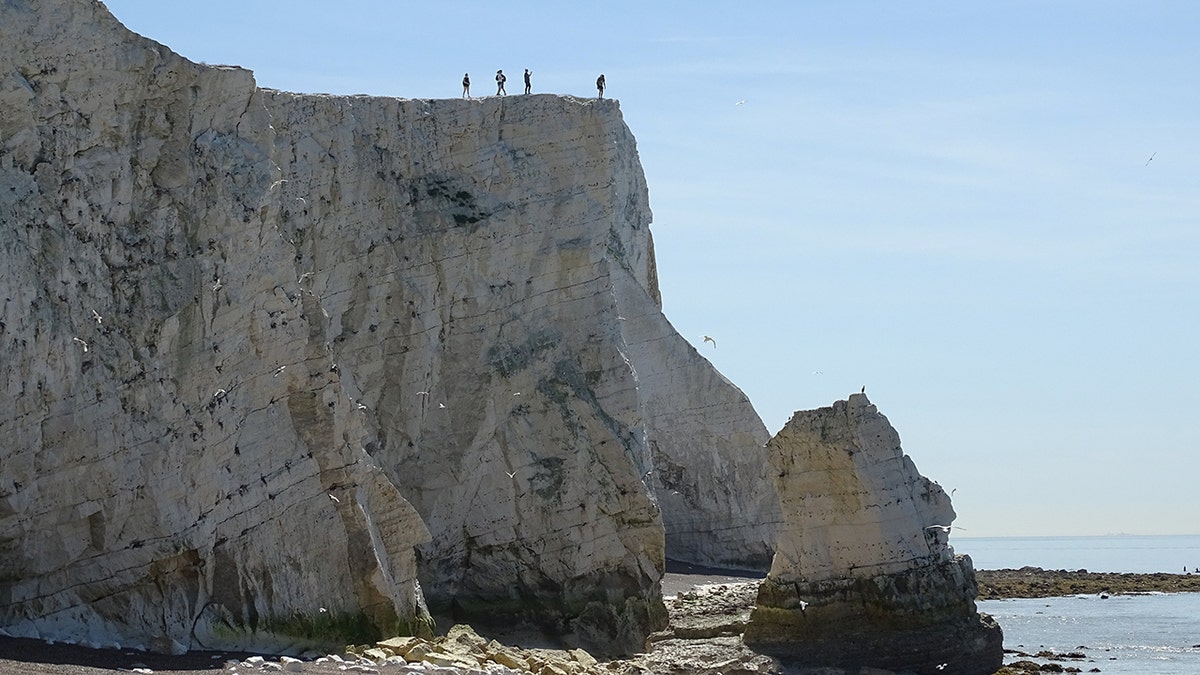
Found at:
[863, 574]
[283, 369]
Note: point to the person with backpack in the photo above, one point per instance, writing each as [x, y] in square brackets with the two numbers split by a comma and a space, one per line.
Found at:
[500, 80]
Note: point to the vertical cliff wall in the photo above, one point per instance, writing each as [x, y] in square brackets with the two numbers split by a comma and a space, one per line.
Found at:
[268, 359]
[182, 465]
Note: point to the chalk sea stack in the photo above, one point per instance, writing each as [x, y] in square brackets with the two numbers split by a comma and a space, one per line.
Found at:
[863, 574]
[281, 369]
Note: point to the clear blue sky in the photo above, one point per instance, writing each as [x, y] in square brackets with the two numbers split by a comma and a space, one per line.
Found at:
[947, 202]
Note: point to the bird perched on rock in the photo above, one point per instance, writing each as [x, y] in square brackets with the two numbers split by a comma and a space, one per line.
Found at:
[708, 338]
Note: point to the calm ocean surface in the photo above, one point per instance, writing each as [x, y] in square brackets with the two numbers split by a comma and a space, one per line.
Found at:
[1131, 553]
[1156, 634]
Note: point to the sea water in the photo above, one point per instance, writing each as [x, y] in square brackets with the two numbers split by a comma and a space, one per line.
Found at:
[1124, 553]
[1154, 634]
[1157, 634]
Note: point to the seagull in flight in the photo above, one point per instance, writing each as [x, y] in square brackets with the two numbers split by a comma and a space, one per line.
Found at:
[708, 338]
[81, 343]
[511, 474]
[1151, 157]
[943, 528]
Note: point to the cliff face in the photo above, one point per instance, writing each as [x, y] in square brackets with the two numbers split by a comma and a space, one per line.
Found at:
[863, 574]
[268, 360]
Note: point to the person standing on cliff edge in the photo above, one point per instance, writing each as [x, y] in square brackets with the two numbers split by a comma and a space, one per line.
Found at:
[527, 82]
[500, 80]
[466, 85]
[600, 85]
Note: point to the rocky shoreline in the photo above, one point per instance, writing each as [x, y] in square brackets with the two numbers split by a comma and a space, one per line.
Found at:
[704, 636]
[1035, 582]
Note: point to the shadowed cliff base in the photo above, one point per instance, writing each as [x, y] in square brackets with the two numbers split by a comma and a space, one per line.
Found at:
[706, 621]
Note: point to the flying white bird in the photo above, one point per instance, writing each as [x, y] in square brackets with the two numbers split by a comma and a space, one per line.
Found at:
[441, 405]
[422, 393]
[278, 371]
[81, 343]
[1151, 157]
[96, 315]
[740, 103]
[943, 528]
[708, 338]
[511, 474]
